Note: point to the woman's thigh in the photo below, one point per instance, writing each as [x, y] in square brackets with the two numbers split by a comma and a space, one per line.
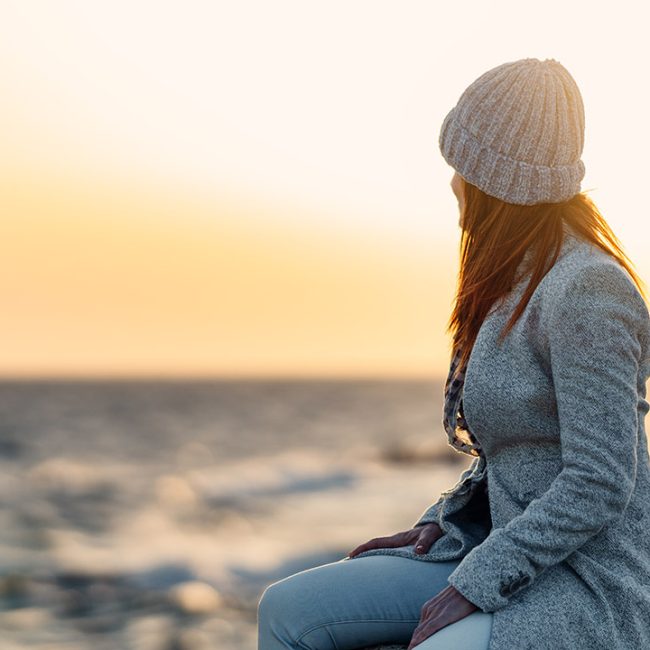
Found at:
[470, 633]
[349, 603]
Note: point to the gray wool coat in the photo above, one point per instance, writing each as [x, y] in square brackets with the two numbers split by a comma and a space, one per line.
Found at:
[552, 526]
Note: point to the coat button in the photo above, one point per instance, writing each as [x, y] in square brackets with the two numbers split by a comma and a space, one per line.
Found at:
[520, 582]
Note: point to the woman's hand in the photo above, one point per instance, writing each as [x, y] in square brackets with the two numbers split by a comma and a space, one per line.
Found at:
[422, 536]
[444, 608]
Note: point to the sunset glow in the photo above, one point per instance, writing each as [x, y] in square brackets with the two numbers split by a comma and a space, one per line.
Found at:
[255, 188]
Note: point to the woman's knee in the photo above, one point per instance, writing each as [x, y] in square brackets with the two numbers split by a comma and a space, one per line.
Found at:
[283, 608]
[276, 600]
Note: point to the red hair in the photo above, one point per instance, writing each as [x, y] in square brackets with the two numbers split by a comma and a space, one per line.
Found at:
[495, 237]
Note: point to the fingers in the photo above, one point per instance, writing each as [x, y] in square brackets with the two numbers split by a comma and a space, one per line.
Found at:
[378, 542]
[422, 632]
[427, 535]
[430, 621]
[426, 539]
[446, 607]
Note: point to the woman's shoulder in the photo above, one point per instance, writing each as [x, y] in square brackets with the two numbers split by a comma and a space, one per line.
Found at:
[586, 283]
[584, 266]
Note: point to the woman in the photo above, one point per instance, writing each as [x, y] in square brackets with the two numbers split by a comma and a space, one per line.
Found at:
[543, 541]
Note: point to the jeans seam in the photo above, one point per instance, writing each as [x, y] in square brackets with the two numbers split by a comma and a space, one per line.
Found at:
[357, 620]
[332, 639]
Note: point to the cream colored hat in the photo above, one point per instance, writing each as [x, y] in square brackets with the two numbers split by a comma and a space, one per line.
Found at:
[517, 133]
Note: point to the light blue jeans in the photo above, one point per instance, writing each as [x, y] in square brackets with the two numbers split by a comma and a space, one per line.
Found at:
[361, 602]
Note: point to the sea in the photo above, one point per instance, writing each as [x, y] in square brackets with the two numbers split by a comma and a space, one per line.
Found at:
[152, 514]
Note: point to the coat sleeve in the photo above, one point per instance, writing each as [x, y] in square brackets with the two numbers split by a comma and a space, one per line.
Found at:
[432, 513]
[597, 339]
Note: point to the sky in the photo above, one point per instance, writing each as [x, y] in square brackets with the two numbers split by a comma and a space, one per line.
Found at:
[255, 188]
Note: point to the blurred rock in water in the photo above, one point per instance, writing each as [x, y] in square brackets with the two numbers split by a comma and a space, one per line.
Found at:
[411, 452]
[195, 597]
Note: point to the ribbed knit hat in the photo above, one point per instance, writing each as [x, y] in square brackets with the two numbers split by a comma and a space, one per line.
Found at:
[517, 133]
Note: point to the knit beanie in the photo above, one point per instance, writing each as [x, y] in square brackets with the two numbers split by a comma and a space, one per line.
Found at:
[517, 133]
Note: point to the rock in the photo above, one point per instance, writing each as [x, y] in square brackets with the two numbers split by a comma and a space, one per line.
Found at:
[195, 597]
[25, 618]
[151, 632]
[410, 453]
[175, 492]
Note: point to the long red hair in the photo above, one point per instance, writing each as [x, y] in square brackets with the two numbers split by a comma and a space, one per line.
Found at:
[495, 237]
